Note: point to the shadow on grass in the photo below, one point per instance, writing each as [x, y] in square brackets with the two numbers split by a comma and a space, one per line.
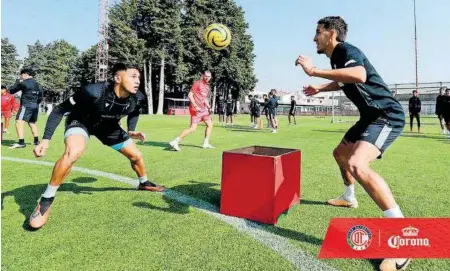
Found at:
[165, 145]
[27, 196]
[205, 196]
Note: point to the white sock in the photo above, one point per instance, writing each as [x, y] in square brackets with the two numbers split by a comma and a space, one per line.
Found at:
[177, 139]
[143, 179]
[349, 192]
[206, 142]
[393, 212]
[50, 192]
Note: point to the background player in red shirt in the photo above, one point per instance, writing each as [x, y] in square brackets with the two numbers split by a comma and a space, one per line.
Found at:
[200, 110]
[8, 107]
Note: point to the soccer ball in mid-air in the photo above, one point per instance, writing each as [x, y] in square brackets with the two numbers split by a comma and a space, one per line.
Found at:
[217, 36]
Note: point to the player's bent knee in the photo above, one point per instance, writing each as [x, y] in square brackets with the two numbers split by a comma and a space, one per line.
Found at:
[356, 167]
[72, 154]
[135, 157]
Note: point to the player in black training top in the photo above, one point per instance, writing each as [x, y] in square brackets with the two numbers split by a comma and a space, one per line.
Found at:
[32, 95]
[415, 106]
[266, 109]
[292, 110]
[95, 110]
[221, 109]
[381, 118]
[254, 111]
[446, 110]
[439, 110]
[230, 108]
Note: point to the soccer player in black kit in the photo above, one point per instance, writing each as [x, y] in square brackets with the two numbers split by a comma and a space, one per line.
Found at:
[440, 101]
[381, 118]
[415, 106]
[292, 110]
[95, 110]
[32, 95]
[221, 109]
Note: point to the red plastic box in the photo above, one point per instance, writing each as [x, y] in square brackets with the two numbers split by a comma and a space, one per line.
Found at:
[260, 183]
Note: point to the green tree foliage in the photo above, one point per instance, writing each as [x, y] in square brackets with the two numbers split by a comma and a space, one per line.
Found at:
[10, 63]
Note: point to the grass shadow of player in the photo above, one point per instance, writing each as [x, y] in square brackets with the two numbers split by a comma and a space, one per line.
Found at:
[416, 135]
[204, 191]
[174, 206]
[312, 202]
[247, 130]
[8, 142]
[179, 198]
[27, 196]
[164, 145]
[340, 131]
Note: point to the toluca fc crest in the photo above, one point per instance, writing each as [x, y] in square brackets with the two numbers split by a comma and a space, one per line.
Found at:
[359, 237]
[409, 238]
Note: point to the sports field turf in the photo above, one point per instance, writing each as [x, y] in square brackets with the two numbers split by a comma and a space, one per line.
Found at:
[102, 224]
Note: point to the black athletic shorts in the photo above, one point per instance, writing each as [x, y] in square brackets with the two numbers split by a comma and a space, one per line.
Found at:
[446, 117]
[292, 112]
[221, 112]
[256, 114]
[28, 114]
[110, 134]
[229, 113]
[379, 133]
[272, 113]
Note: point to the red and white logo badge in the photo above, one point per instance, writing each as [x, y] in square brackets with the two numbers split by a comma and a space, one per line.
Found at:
[359, 237]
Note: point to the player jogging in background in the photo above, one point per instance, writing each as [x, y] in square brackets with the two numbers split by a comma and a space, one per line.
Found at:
[381, 119]
[95, 110]
[200, 111]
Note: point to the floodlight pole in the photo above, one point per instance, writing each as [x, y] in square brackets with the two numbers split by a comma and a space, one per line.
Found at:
[415, 46]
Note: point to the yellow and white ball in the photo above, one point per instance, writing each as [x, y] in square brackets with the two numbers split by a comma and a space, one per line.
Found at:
[217, 36]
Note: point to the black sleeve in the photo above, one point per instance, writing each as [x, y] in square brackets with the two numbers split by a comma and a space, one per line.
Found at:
[133, 117]
[41, 94]
[58, 112]
[410, 104]
[419, 105]
[350, 57]
[18, 86]
[132, 120]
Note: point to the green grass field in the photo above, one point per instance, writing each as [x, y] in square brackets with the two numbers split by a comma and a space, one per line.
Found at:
[101, 224]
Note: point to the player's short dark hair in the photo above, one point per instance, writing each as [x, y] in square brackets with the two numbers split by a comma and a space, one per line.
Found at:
[292, 96]
[3, 87]
[124, 66]
[28, 71]
[250, 95]
[336, 23]
[414, 91]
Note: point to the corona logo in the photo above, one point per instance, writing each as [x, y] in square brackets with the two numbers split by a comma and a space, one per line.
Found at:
[409, 239]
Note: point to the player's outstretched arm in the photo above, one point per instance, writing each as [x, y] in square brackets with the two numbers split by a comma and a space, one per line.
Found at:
[349, 75]
[314, 89]
[352, 75]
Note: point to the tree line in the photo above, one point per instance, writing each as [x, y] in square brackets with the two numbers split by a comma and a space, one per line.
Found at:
[165, 37]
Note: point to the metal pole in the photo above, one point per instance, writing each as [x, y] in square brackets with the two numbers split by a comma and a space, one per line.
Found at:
[415, 43]
[332, 107]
